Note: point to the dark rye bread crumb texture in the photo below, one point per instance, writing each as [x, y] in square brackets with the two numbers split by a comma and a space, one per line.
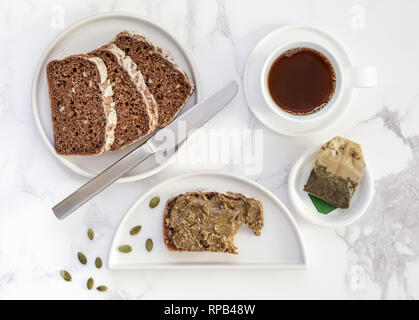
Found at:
[90, 116]
[134, 119]
[208, 221]
[77, 111]
[170, 86]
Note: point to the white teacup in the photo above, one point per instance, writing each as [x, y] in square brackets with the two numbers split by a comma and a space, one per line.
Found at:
[353, 77]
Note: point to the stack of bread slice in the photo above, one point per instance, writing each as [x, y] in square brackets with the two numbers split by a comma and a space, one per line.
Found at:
[113, 96]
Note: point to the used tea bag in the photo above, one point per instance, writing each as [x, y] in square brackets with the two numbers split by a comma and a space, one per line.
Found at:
[338, 170]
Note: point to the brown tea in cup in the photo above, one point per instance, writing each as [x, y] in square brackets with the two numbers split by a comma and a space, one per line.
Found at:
[301, 81]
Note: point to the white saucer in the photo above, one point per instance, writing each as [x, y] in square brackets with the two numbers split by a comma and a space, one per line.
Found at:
[338, 218]
[279, 246]
[253, 73]
[82, 37]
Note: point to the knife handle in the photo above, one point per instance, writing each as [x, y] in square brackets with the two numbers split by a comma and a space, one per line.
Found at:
[102, 181]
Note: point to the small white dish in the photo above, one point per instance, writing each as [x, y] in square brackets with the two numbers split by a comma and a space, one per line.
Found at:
[279, 246]
[272, 46]
[303, 205]
[82, 37]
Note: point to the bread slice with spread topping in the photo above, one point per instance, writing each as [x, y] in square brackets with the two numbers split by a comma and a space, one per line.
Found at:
[208, 221]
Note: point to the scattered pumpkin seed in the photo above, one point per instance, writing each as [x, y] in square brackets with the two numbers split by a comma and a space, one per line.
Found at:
[66, 275]
[82, 258]
[125, 248]
[149, 245]
[90, 283]
[90, 234]
[154, 202]
[102, 288]
[135, 230]
[98, 263]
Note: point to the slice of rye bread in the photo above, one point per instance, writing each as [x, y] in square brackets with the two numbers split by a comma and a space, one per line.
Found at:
[135, 107]
[80, 96]
[169, 85]
[208, 221]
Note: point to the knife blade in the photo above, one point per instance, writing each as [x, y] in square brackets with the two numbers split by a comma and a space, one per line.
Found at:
[193, 119]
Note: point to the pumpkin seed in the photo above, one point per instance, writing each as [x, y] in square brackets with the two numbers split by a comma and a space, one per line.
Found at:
[102, 288]
[90, 234]
[90, 283]
[98, 263]
[125, 248]
[82, 258]
[154, 202]
[149, 245]
[66, 275]
[135, 230]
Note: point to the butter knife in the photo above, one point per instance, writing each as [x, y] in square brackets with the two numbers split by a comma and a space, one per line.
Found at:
[194, 118]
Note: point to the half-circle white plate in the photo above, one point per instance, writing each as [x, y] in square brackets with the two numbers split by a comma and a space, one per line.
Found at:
[302, 203]
[279, 246]
[82, 37]
[253, 74]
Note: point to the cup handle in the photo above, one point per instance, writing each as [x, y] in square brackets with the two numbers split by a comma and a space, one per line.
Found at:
[361, 77]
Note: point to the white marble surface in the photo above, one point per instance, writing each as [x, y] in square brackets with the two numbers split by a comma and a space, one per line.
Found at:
[374, 258]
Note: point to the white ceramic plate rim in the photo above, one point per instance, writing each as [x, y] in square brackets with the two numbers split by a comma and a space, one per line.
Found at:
[112, 253]
[279, 129]
[42, 62]
[308, 216]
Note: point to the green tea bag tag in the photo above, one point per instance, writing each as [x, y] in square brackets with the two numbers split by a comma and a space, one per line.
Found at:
[320, 205]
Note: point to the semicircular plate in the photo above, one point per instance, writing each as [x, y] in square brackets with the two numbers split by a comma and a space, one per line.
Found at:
[82, 37]
[279, 246]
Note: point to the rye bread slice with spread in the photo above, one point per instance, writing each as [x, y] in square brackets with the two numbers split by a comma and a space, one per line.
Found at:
[135, 106]
[169, 85]
[80, 96]
[208, 221]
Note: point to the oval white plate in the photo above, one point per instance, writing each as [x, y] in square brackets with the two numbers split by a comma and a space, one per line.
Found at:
[253, 74]
[279, 246]
[82, 37]
[338, 218]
